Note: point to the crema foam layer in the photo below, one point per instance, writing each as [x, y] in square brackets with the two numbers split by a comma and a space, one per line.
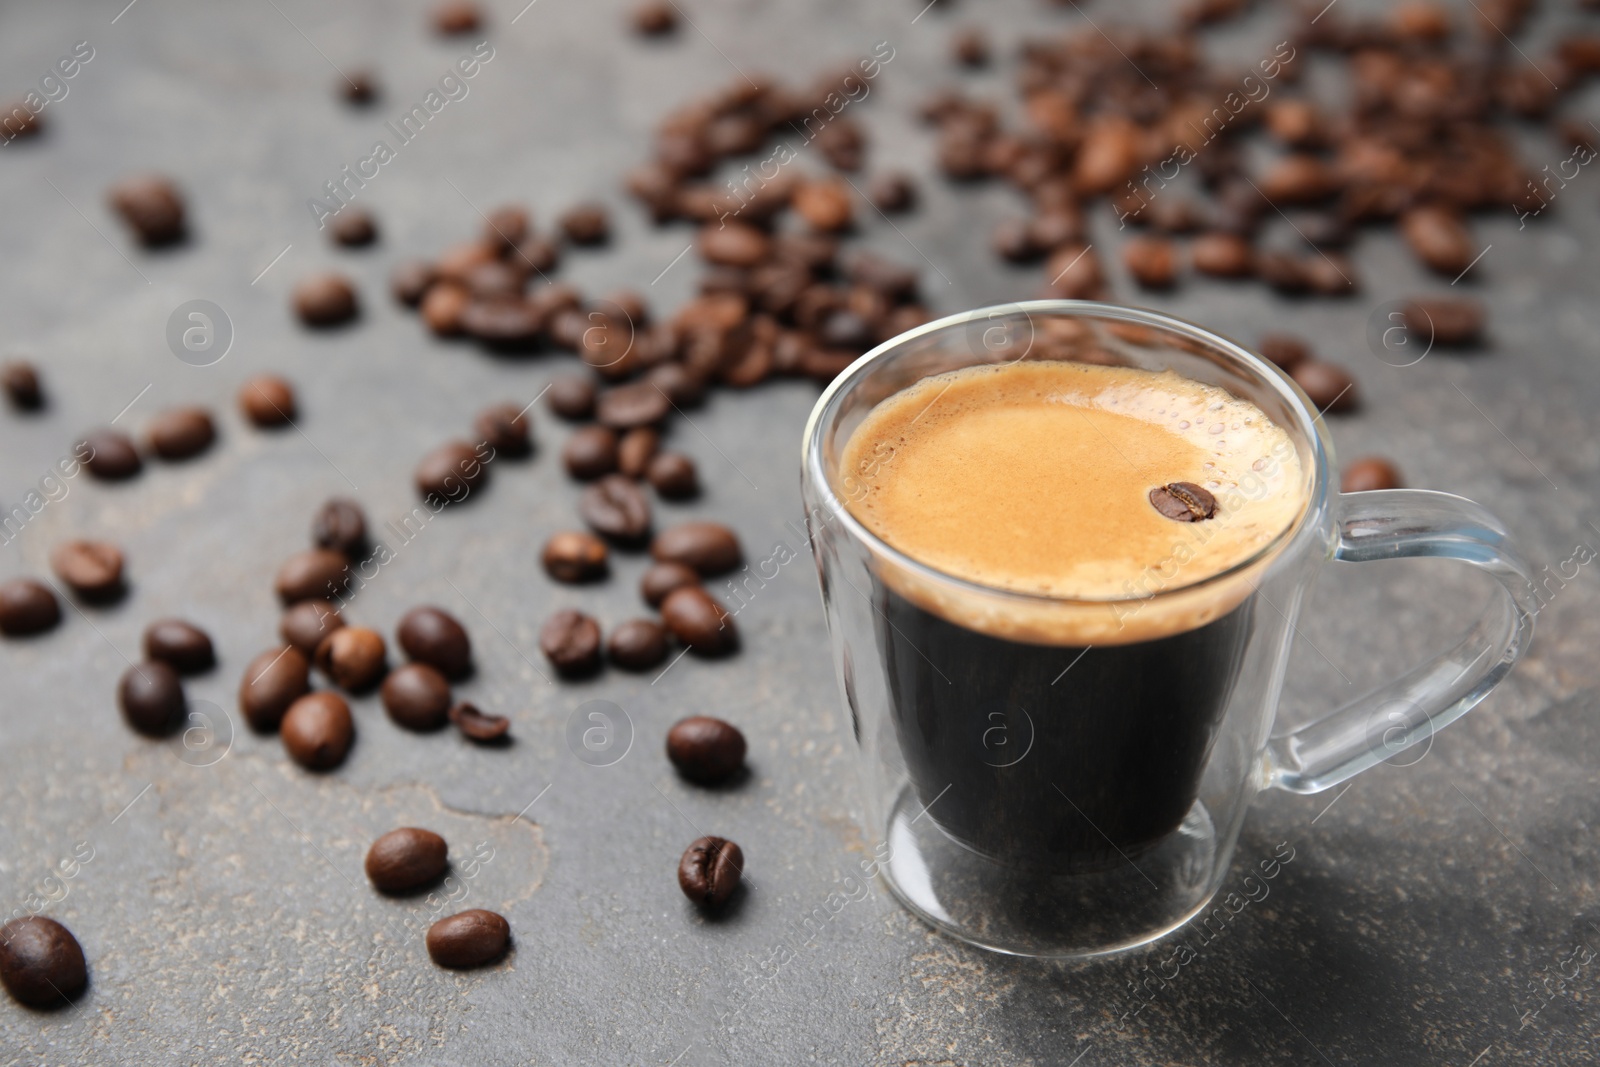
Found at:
[1035, 477]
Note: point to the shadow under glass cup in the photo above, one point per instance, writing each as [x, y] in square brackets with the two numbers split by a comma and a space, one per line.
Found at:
[1067, 777]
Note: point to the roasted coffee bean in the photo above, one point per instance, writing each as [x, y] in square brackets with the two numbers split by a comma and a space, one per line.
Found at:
[1183, 501]
[315, 574]
[824, 205]
[1326, 385]
[359, 87]
[575, 557]
[893, 192]
[41, 963]
[970, 47]
[459, 259]
[654, 18]
[591, 452]
[1282, 272]
[494, 281]
[181, 433]
[443, 307]
[307, 622]
[1013, 240]
[540, 255]
[1330, 274]
[623, 407]
[710, 870]
[354, 658]
[709, 547]
[473, 938]
[1444, 320]
[1074, 273]
[317, 731]
[662, 578]
[1439, 238]
[112, 455]
[637, 645]
[20, 381]
[734, 244]
[1283, 350]
[152, 207]
[635, 451]
[674, 476]
[680, 386]
[615, 508]
[151, 698]
[340, 525]
[507, 226]
[417, 697]
[407, 859]
[433, 636]
[273, 681]
[502, 322]
[1299, 179]
[325, 300]
[586, 224]
[352, 227]
[456, 16]
[477, 726]
[27, 606]
[571, 641]
[696, 619]
[1365, 475]
[267, 401]
[504, 428]
[572, 396]
[451, 472]
[181, 645]
[20, 118]
[1153, 261]
[92, 569]
[704, 749]
[410, 280]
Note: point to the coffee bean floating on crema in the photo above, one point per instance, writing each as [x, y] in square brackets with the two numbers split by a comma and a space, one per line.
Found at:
[41, 963]
[637, 645]
[704, 749]
[151, 698]
[340, 525]
[699, 621]
[478, 726]
[182, 645]
[181, 433]
[271, 683]
[450, 472]
[407, 859]
[473, 938]
[433, 636]
[354, 658]
[306, 622]
[317, 731]
[19, 380]
[268, 401]
[110, 455]
[91, 569]
[571, 641]
[315, 574]
[27, 606]
[152, 207]
[325, 300]
[1183, 501]
[416, 697]
[710, 871]
[709, 547]
[575, 557]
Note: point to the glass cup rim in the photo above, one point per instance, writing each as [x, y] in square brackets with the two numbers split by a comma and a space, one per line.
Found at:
[1311, 426]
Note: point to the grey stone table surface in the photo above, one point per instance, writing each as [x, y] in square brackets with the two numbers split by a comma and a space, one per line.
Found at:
[1428, 913]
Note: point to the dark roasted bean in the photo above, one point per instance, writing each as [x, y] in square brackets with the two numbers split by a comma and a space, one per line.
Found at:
[571, 641]
[273, 681]
[622, 407]
[354, 658]
[151, 698]
[325, 300]
[111, 455]
[1365, 475]
[674, 476]
[654, 18]
[572, 396]
[586, 224]
[182, 645]
[575, 557]
[708, 547]
[615, 508]
[1183, 501]
[315, 574]
[699, 621]
[892, 192]
[307, 622]
[1153, 261]
[1283, 350]
[452, 17]
[504, 428]
[591, 452]
[410, 280]
[1439, 238]
[1444, 320]
[1326, 385]
[267, 401]
[443, 307]
[340, 525]
[152, 207]
[636, 450]
[317, 731]
[352, 227]
[451, 471]
[477, 726]
[181, 433]
[474, 938]
[92, 569]
[433, 636]
[20, 382]
[970, 47]
[680, 387]
[507, 226]
[824, 205]
[27, 606]
[662, 578]
[417, 697]
[359, 87]
[41, 963]
[704, 749]
[407, 859]
[710, 871]
[637, 645]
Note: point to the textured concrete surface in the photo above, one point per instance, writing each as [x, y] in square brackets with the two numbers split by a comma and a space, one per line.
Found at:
[1439, 913]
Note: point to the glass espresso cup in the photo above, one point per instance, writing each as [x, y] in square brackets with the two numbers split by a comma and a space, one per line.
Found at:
[1052, 796]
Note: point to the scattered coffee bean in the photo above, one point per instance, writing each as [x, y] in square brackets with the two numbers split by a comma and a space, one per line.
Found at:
[315, 574]
[615, 508]
[181, 433]
[1283, 350]
[504, 428]
[151, 698]
[352, 227]
[699, 621]
[575, 557]
[637, 645]
[27, 606]
[571, 641]
[324, 300]
[825, 205]
[653, 18]
[1223, 255]
[20, 119]
[410, 281]
[1326, 385]
[41, 963]
[636, 450]
[416, 697]
[354, 658]
[443, 307]
[272, 682]
[359, 87]
[709, 547]
[623, 407]
[662, 578]
[734, 244]
[92, 569]
[340, 525]
[1153, 261]
[456, 16]
[111, 455]
[892, 193]
[970, 47]
[1183, 501]
[1444, 320]
[268, 401]
[181, 645]
[477, 726]
[1365, 475]
[407, 859]
[586, 224]
[317, 731]
[152, 207]
[451, 471]
[682, 388]
[591, 452]
[572, 396]
[20, 381]
[1439, 238]
[710, 871]
[674, 476]
[307, 622]
[704, 749]
[473, 938]
[433, 636]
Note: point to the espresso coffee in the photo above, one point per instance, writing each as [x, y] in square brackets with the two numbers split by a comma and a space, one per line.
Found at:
[1053, 711]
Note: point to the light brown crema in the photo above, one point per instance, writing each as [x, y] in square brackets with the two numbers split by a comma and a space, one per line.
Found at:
[1035, 477]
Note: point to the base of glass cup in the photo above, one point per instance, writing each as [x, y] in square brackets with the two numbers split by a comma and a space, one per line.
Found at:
[1051, 914]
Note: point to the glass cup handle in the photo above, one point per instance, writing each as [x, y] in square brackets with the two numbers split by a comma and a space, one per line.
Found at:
[1394, 524]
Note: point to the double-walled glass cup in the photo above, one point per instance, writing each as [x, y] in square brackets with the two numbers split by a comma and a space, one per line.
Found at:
[1072, 796]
